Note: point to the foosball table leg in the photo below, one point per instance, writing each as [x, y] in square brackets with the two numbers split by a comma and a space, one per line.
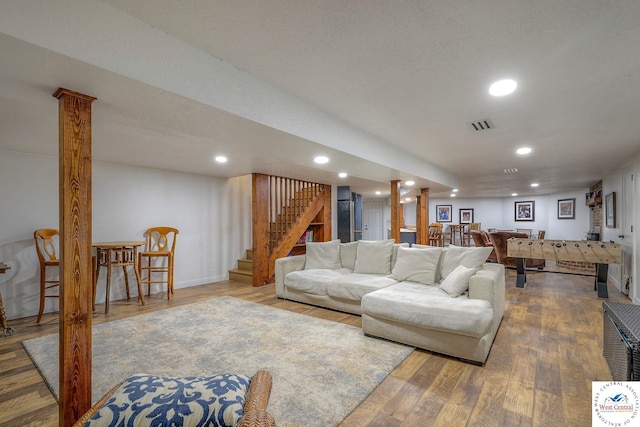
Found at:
[521, 274]
[601, 280]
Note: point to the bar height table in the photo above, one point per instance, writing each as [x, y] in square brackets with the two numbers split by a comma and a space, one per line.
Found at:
[117, 254]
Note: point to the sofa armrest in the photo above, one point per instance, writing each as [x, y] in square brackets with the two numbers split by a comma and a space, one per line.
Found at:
[488, 284]
[286, 265]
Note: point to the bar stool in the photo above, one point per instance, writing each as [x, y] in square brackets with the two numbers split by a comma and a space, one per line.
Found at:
[46, 249]
[161, 243]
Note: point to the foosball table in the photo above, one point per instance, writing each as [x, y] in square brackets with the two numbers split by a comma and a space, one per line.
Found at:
[600, 253]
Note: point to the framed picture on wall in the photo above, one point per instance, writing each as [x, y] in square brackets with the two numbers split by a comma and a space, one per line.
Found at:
[567, 208]
[466, 216]
[525, 211]
[443, 213]
[610, 210]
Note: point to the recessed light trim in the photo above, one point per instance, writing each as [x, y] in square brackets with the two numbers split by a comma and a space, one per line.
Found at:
[534, 184]
[221, 159]
[378, 193]
[342, 175]
[321, 160]
[503, 87]
[455, 190]
[453, 195]
[410, 182]
[523, 151]
[514, 194]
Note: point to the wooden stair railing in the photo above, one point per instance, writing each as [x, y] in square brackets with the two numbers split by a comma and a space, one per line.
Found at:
[283, 209]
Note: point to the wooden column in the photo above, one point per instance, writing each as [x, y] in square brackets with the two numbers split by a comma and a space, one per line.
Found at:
[74, 110]
[260, 232]
[395, 210]
[422, 217]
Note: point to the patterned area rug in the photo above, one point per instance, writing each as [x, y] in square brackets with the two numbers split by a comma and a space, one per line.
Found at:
[321, 369]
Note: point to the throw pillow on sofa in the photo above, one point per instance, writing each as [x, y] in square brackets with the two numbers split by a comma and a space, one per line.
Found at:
[374, 256]
[457, 282]
[417, 264]
[348, 252]
[323, 255]
[472, 257]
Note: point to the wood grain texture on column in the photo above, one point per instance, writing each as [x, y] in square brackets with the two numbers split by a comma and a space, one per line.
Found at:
[395, 210]
[422, 217]
[260, 232]
[74, 113]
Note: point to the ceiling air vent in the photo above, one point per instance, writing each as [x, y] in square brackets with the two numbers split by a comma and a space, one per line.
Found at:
[511, 170]
[480, 125]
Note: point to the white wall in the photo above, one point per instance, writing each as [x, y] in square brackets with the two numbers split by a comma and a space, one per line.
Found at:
[500, 213]
[212, 214]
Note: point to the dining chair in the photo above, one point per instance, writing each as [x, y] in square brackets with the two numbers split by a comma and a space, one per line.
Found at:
[436, 237]
[541, 234]
[474, 226]
[528, 231]
[46, 240]
[160, 247]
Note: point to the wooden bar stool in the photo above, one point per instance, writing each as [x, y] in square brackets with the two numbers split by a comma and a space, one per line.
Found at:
[161, 244]
[46, 249]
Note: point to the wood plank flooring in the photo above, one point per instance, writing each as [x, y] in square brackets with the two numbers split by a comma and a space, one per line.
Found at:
[539, 372]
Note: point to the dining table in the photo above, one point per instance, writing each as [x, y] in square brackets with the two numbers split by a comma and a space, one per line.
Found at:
[116, 254]
[6, 330]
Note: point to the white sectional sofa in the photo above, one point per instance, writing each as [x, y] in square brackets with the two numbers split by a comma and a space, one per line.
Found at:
[447, 300]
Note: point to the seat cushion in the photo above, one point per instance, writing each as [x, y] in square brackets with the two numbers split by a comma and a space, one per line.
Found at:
[149, 400]
[313, 281]
[354, 286]
[430, 307]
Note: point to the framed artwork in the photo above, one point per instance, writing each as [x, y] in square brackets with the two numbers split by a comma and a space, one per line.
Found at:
[466, 216]
[443, 213]
[567, 208]
[525, 211]
[610, 210]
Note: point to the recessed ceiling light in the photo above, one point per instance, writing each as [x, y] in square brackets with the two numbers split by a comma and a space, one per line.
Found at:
[407, 199]
[503, 87]
[453, 195]
[221, 159]
[514, 194]
[534, 184]
[523, 151]
[321, 160]
[409, 182]
[455, 190]
[342, 174]
[378, 193]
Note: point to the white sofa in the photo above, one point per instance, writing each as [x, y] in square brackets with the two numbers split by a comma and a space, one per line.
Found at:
[447, 301]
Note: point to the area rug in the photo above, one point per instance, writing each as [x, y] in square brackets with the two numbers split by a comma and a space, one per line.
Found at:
[321, 369]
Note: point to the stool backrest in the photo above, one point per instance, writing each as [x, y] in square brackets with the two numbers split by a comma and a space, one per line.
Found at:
[161, 239]
[46, 240]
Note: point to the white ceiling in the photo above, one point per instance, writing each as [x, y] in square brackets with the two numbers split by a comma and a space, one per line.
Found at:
[400, 77]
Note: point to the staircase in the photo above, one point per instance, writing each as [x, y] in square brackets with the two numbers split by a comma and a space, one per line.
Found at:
[244, 272]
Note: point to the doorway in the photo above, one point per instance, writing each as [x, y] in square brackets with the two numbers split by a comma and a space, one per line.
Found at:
[372, 223]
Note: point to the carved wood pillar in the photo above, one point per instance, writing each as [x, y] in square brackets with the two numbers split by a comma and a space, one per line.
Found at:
[422, 217]
[74, 111]
[395, 210]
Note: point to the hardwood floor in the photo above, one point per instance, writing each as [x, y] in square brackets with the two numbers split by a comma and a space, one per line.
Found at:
[539, 372]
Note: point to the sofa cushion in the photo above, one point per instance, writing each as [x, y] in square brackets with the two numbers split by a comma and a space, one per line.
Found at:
[417, 264]
[149, 400]
[430, 307]
[313, 281]
[374, 256]
[470, 257]
[394, 253]
[354, 286]
[348, 253]
[323, 255]
[457, 282]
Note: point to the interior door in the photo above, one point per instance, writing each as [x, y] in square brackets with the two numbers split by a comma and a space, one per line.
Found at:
[372, 223]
